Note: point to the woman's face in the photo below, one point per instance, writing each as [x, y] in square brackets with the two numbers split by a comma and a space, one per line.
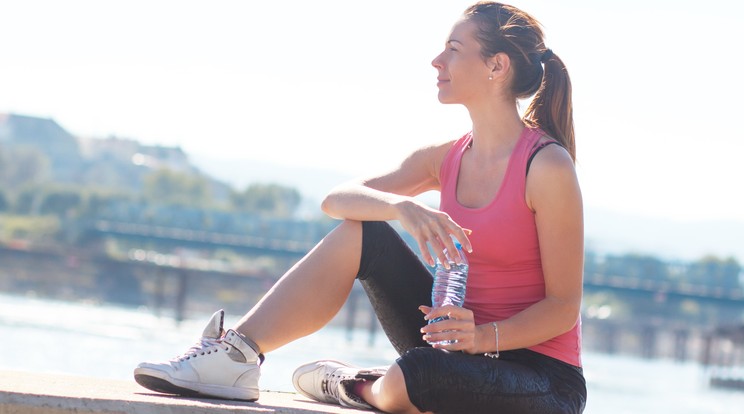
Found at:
[463, 74]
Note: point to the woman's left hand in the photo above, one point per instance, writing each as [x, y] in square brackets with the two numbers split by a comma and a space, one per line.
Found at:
[460, 327]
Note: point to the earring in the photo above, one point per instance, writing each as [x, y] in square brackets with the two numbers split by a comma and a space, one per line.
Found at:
[490, 77]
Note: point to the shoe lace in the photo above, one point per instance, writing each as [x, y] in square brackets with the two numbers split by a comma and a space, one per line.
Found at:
[206, 345]
[330, 384]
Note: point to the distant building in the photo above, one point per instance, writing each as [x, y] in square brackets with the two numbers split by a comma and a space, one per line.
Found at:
[125, 150]
[47, 137]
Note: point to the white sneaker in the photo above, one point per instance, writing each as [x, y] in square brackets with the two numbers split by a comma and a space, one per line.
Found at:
[332, 382]
[222, 364]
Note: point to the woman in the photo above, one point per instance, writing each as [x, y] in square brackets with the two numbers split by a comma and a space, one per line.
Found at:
[507, 195]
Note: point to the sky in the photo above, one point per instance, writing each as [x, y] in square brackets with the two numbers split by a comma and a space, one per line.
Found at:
[349, 86]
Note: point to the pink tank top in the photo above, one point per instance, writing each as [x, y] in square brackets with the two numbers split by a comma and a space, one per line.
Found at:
[505, 274]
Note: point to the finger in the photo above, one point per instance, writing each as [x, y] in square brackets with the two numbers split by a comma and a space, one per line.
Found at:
[458, 312]
[462, 237]
[441, 336]
[434, 313]
[423, 248]
[438, 246]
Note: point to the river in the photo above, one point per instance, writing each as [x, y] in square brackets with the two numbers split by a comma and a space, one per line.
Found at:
[39, 335]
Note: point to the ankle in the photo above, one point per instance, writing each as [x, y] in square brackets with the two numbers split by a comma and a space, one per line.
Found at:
[360, 387]
[249, 342]
[245, 345]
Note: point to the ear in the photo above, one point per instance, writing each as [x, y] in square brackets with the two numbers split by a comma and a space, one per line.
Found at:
[500, 65]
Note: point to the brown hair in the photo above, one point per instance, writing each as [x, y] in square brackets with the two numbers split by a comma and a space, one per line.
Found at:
[506, 29]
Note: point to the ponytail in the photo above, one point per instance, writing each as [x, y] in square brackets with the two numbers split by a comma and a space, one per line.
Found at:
[551, 108]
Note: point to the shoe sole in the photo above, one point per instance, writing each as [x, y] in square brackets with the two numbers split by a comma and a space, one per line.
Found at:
[161, 382]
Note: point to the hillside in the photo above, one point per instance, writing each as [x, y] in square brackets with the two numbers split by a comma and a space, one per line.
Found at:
[36, 150]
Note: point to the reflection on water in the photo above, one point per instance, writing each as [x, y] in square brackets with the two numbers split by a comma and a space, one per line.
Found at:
[49, 336]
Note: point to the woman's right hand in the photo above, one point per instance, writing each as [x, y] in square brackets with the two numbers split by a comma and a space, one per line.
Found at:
[431, 227]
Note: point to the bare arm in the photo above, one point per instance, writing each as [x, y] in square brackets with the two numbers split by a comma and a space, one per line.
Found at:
[554, 195]
[390, 196]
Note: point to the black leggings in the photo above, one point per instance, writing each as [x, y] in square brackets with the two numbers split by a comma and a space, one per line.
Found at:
[520, 381]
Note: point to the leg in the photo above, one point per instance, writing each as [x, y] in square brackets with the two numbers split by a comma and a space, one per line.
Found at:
[310, 294]
[396, 282]
[226, 364]
[389, 393]
[520, 381]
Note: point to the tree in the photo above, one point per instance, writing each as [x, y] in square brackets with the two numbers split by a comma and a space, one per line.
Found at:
[267, 199]
[22, 166]
[4, 205]
[171, 187]
[61, 202]
[104, 203]
[714, 271]
[636, 266]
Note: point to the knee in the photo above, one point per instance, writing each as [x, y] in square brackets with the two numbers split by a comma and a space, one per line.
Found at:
[347, 229]
[350, 225]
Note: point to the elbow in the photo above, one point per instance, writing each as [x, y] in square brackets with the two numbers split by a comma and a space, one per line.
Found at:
[332, 204]
[327, 205]
[573, 313]
[570, 312]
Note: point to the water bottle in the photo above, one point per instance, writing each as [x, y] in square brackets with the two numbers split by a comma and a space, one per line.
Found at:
[449, 284]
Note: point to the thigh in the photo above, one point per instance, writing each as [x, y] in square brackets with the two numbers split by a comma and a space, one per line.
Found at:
[518, 382]
[397, 282]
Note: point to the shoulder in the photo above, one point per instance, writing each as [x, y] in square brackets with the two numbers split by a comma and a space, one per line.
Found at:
[551, 177]
[549, 157]
[432, 155]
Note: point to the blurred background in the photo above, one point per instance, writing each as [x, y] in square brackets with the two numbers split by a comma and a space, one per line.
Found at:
[161, 160]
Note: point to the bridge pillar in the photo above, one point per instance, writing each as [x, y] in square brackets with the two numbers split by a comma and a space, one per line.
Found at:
[181, 292]
[372, 328]
[648, 342]
[681, 338]
[159, 299]
[609, 337]
[351, 311]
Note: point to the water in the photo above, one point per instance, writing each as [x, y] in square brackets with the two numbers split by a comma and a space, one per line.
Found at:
[106, 341]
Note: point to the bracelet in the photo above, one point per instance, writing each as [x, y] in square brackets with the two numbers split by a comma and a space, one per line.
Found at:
[494, 355]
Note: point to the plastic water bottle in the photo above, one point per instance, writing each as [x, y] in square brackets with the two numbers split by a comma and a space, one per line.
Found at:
[449, 284]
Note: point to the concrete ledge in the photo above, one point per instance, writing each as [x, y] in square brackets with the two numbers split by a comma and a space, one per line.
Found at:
[33, 393]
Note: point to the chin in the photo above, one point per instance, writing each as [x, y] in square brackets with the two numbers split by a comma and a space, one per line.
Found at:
[446, 100]
[444, 97]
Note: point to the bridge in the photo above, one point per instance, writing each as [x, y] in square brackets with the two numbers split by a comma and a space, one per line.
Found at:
[258, 245]
[660, 317]
[197, 239]
[639, 286]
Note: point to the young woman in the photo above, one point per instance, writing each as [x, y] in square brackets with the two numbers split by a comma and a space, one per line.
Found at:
[509, 195]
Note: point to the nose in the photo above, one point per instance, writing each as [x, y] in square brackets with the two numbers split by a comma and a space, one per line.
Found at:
[437, 62]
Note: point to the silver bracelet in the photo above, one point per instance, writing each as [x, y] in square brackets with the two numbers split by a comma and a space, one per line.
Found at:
[494, 355]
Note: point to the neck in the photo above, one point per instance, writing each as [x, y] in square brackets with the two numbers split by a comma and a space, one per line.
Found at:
[496, 127]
